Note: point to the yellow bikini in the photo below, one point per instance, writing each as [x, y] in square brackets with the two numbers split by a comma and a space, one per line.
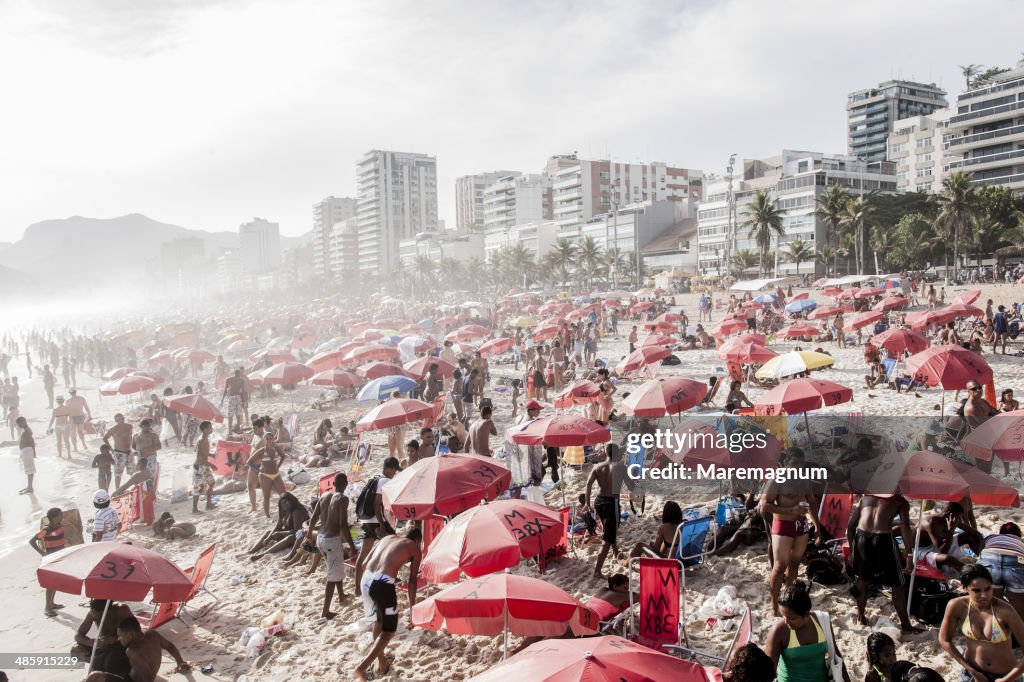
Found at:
[998, 635]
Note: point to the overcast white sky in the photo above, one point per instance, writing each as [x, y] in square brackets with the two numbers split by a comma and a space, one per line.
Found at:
[206, 113]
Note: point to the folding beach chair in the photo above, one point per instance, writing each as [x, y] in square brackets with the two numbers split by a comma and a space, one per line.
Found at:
[159, 614]
[690, 540]
[326, 483]
[714, 383]
[360, 456]
[744, 633]
[562, 547]
[636, 455]
[200, 572]
[127, 507]
[658, 621]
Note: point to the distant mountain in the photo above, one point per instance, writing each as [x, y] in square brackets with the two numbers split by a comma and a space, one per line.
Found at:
[15, 282]
[111, 250]
[4, 245]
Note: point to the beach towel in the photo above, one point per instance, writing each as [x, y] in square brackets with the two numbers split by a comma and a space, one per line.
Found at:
[573, 455]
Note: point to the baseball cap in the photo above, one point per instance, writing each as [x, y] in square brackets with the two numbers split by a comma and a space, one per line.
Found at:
[101, 497]
[533, 405]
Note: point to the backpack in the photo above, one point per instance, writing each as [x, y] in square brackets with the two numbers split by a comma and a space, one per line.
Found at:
[823, 568]
[366, 503]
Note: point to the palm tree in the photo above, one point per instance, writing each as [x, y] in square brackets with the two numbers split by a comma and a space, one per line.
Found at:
[828, 256]
[763, 219]
[588, 254]
[615, 263]
[969, 72]
[523, 264]
[799, 251]
[474, 273]
[424, 268]
[565, 257]
[745, 259]
[857, 212]
[831, 206]
[958, 209]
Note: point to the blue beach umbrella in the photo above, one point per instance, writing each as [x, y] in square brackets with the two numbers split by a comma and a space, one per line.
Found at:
[766, 299]
[382, 388]
[801, 306]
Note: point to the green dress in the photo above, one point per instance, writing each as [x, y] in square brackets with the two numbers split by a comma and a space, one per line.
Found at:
[805, 662]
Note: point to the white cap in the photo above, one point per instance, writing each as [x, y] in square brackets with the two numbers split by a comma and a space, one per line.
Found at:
[101, 497]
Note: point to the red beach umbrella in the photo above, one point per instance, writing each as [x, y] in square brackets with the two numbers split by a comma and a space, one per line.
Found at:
[641, 357]
[491, 537]
[328, 360]
[496, 346]
[898, 340]
[544, 332]
[114, 570]
[115, 374]
[372, 352]
[562, 430]
[890, 303]
[666, 395]
[195, 405]
[285, 373]
[394, 412]
[746, 352]
[376, 370]
[727, 327]
[802, 395]
[949, 366]
[962, 310]
[579, 393]
[863, 319]
[444, 485]
[795, 331]
[658, 340]
[417, 369]
[927, 475]
[824, 311]
[869, 292]
[593, 659]
[1002, 436]
[968, 297]
[468, 333]
[336, 377]
[127, 385]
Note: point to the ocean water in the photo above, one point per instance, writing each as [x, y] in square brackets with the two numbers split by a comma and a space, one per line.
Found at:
[20, 515]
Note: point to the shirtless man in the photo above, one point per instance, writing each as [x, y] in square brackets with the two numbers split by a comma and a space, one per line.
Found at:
[977, 411]
[607, 391]
[252, 480]
[875, 555]
[80, 413]
[331, 511]
[107, 635]
[789, 504]
[941, 545]
[378, 583]
[234, 390]
[480, 433]
[145, 652]
[377, 526]
[202, 470]
[609, 476]
[121, 433]
[269, 460]
[60, 422]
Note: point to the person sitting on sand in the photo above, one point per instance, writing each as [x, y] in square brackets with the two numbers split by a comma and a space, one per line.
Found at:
[749, 664]
[989, 626]
[941, 546]
[1006, 401]
[291, 515]
[302, 550]
[877, 374]
[665, 537]
[701, 339]
[145, 652]
[798, 644]
[736, 398]
[167, 527]
[108, 634]
[270, 470]
[881, 655]
[612, 600]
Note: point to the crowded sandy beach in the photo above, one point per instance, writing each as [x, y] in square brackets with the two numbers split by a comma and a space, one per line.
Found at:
[160, 441]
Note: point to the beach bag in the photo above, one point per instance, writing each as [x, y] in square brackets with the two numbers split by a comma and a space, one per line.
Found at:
[835, 661]
[823, 568]
[671, 360]
[930, 599]
[299, 476]
[366, 503]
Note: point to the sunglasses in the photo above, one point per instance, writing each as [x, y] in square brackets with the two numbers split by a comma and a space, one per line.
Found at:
[974, 388]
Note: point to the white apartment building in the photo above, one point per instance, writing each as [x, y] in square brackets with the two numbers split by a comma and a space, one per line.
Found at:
[260, 242]
[229, 271]
[872, 114]
[396, 199]
[591, 187]
[916, 147]
[514, 200]
[327, 213]
[469, 198]
[343, 250]
[986, 133]
[796, 180]
[537, 237]
[462, 246]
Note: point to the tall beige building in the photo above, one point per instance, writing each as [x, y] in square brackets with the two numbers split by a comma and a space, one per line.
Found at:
[915, 146]
[327, 213]
[469, 198]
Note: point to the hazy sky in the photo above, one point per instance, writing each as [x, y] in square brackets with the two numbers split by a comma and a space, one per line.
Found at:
[205, 113]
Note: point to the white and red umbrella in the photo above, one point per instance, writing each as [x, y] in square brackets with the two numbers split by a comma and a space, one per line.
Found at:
[641, 357]
[336, 377]
[395, 412]
[950, 366]
[115, 374]
[664, 396]
[802, 395]
[126, 385]
[579, 393]
[491, 537]
[562, 430]
[283, 373]
[444, 485]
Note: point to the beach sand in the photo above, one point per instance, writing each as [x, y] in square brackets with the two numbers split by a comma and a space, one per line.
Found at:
[313, 650]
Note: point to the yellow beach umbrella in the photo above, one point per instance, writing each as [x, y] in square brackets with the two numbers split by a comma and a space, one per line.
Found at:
[794, 362]
[524, 322]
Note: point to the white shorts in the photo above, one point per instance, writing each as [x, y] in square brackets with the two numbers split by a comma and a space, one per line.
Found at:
[28, 460]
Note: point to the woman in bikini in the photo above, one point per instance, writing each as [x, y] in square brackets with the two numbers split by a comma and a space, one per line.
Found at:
[664, 539]
[60, 422]
[269, 461]
[988, 625]
[798, 644]
[291, 517]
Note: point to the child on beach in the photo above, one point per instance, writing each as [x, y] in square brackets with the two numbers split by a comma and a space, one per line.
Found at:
[12, 420]
[516, 384]
[103, 462]
[47, 541]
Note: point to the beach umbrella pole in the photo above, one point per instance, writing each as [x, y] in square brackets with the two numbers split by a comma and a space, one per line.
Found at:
[913, 559]
[95, 642]
[504, 653]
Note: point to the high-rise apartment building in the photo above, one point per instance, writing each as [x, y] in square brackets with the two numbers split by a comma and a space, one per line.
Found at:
[872, 113]
[260, 242]
[796, 179]
[514, 200]
[986, 133]
[469, 198]
[396, 198]
[915, 146]
[585, 188]
[326, 214]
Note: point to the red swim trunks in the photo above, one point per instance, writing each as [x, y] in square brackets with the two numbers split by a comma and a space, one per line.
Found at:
[789, 529]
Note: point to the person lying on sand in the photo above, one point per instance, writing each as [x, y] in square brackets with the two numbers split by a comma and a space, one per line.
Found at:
[167, 527]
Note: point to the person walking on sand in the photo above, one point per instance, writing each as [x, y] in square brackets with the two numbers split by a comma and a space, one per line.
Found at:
[60, 422]
[610, 476]
[80, 414]
[27, 445]
[331, 511]
[202, 470]
[234, 391]
[379, 594]
[269, 461]
[121, 433]
[376, 526]
[49, 381]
